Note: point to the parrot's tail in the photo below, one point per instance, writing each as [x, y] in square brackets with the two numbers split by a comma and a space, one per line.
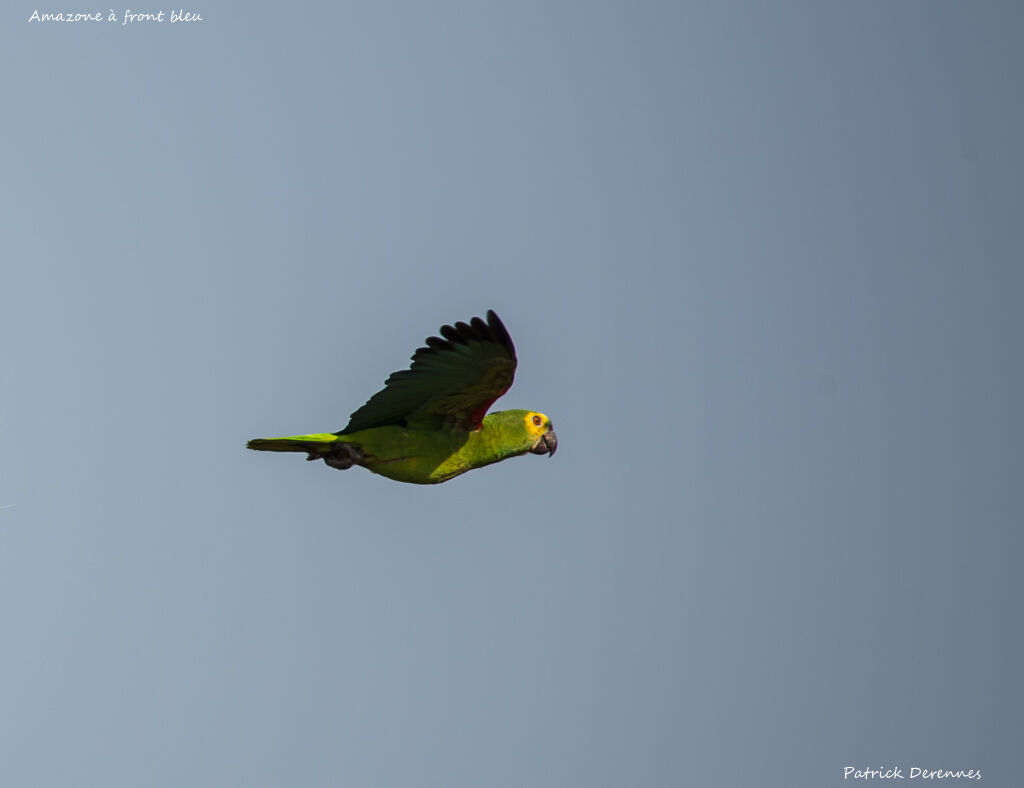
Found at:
[316, 446]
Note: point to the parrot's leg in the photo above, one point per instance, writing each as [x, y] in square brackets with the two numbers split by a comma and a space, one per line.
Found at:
[344, 457]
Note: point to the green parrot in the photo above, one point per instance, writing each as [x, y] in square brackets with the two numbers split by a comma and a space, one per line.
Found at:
[427, 425]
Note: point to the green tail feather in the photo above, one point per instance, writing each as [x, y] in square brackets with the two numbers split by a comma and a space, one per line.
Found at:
[315, 445]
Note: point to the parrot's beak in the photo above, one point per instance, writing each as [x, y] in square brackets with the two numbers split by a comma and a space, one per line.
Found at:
[546, 444]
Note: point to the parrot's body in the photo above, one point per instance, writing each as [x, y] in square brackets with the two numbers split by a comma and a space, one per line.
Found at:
[428, 424]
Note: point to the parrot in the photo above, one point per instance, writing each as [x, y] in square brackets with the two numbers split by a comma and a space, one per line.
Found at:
[430, 423]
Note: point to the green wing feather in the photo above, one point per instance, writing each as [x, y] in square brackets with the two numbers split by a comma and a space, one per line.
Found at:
[451, 383]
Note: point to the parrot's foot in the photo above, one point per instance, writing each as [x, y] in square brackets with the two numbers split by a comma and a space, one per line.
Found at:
[343, 457]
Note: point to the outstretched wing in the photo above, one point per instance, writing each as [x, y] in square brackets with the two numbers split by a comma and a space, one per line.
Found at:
[451, 383]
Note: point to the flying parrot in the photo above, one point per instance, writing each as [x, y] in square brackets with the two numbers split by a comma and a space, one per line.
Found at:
[428, 423]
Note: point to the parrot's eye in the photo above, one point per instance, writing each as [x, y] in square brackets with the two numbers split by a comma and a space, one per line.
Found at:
[536, 421]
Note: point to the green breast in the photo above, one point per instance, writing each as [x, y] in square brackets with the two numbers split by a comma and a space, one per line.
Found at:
[429, 456]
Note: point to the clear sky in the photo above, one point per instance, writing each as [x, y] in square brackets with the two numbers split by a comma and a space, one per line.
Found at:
[762, 264]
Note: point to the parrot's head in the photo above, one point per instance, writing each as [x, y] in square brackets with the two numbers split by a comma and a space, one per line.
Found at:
[538, 427]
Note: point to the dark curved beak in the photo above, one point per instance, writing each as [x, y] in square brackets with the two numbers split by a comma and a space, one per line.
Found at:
[546, 444]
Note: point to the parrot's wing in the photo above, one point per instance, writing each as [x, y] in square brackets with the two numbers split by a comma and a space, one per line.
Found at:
[451, 383]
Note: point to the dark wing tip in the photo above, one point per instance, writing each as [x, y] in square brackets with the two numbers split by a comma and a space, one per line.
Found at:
[481, 328]
[450, 333]
[436, 343]
[467, 332]
[493, 330]
[499, 333]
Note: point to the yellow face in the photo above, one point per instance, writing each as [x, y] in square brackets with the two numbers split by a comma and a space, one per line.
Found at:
[542, 437]
[536, 423]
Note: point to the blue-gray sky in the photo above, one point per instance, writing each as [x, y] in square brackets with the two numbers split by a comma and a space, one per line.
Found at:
[763, 267]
